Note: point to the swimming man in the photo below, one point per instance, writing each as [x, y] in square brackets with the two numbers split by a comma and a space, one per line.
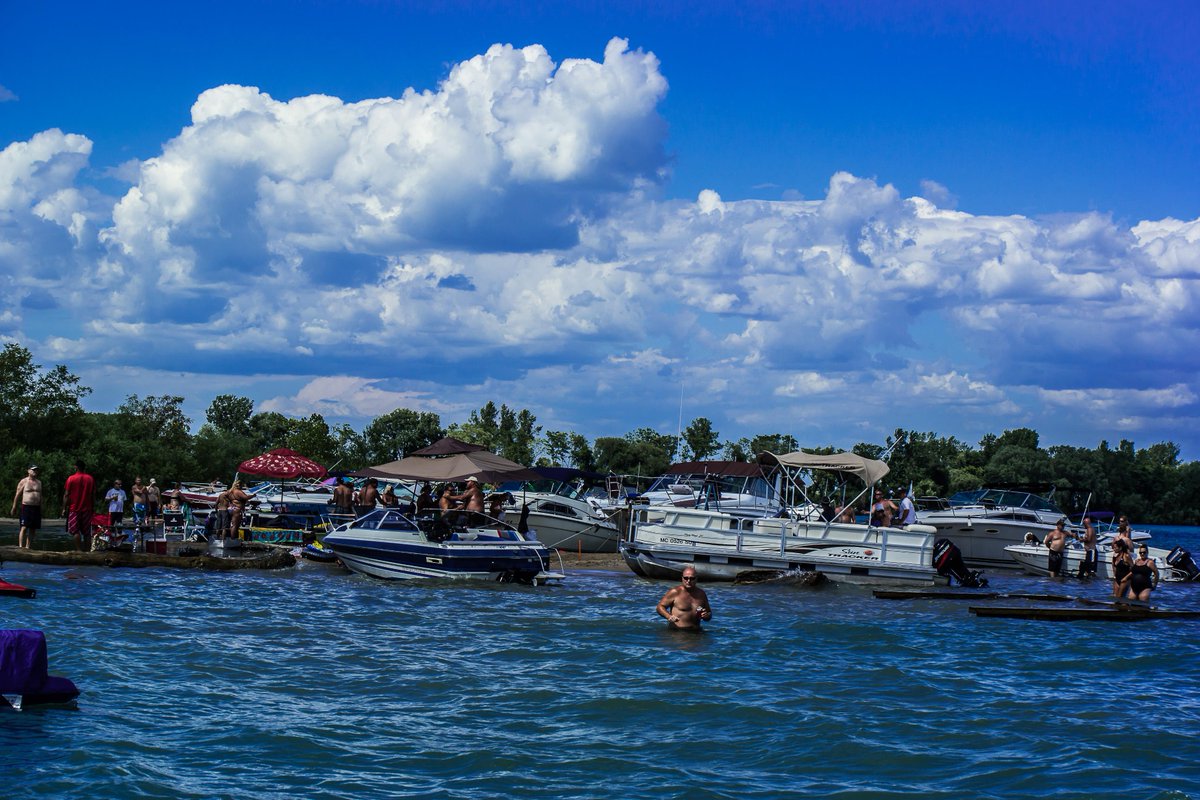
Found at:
[684, 606]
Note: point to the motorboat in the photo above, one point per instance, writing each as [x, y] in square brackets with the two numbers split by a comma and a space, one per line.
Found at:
[562, 512]
[732, 487]
[983, 523]
[723, 546]
[386, 543]
[1034, 557]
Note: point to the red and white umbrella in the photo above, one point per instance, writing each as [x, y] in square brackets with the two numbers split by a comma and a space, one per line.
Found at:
[282, 463]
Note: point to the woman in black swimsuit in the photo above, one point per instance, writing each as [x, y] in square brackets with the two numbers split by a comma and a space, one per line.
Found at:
[1121, 565]
[1143, 575]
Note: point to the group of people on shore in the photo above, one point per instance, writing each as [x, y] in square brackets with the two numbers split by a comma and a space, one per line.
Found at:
[79, 504]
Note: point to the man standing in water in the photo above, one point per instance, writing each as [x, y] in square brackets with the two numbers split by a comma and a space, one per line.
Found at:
[686, 605]
[1056, 543]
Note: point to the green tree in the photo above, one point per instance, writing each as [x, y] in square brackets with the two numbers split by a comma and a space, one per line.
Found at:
[701, 440]
[557, 448]
[39, 409]
[230, 414]
[311, 437]
[581, 453]
[269, 430]
[394, 435]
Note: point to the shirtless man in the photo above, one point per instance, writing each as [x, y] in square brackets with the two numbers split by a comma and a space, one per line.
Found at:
[29, 498]
[1087, 567]
[472, 498]
[1056, 543]
[685, 605]
[368, 497]
[343, 498]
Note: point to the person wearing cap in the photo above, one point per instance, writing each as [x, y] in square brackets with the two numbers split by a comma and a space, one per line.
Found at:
[472, 497]
[907, 513]
[29, 498]
[79, 502]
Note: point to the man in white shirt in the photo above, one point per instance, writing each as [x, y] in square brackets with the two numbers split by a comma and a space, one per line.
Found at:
[907, 514]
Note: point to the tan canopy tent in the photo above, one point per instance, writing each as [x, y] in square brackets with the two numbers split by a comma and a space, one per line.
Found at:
[867, 469]
[487, 467]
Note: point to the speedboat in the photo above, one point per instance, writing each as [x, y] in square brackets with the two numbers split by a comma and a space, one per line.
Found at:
[386, 543]
[720, 545]
[983, 523]
[561, 511]
[1034, 557]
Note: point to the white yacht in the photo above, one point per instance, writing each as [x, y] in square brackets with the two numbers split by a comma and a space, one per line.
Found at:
[721, 545]
[562, 512]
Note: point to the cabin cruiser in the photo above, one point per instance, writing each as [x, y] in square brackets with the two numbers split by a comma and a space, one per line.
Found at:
[733, 487]
[456, 544]
[721, 545]
[562, 512]
[983, 523]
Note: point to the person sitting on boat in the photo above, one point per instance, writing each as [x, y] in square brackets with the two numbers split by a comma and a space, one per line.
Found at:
[908, 512]
[425, 499]
[388, 497]
[846, 514]
[1143, 575]
[1056, 543]
[684, 606]
[496, 504]
[446, 498]
[1087, 567]
[1122, 564]
[882, 511]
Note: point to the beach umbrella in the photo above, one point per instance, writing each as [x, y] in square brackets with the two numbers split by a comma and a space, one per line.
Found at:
[282, 463]
[486, 466]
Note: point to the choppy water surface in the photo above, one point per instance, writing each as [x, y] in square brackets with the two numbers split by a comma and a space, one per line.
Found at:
[316, 683]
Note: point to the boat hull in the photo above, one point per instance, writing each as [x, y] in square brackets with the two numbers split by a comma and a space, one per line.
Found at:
[369, 553]
[586, 536]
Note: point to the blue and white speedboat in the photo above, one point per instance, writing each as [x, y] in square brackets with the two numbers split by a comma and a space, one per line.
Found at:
[452, 544]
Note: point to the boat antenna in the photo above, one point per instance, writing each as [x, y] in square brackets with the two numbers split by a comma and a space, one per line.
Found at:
[679, 423]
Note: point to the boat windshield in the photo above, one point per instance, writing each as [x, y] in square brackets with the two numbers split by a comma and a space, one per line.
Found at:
[385, 519]
[726, 484]
[1009, 498]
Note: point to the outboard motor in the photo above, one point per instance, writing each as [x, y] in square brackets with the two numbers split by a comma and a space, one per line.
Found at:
[948, 561]
[1181, 561]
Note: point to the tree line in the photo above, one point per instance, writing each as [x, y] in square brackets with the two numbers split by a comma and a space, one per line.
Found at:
[42, 421]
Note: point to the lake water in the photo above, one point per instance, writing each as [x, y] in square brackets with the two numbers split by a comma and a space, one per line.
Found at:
[316, 683]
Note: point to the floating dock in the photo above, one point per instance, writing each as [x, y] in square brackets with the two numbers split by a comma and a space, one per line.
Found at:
[255, 557]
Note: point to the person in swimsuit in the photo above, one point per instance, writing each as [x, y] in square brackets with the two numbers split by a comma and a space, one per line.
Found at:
[882, 511]
[684, 606]
[237, 508]
[1143, 575]
[1056, 543]
[343, 498]
[29, 499]
[1088, 567]
[368, 498]
[1121, 566]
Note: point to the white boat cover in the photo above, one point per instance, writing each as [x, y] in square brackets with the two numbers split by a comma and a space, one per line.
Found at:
[867, 469]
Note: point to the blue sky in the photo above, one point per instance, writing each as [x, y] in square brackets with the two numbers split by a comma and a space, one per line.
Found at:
[808, 218]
